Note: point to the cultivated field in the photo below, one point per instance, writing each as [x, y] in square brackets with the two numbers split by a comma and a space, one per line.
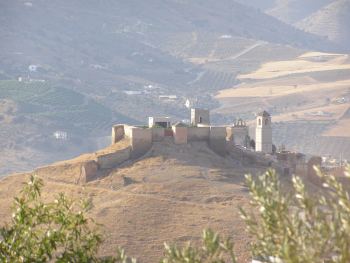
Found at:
[297, 82]
[30, 113]
[311, 88]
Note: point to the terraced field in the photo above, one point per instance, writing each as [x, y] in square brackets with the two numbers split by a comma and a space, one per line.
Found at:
[58, 105]
[308, 97]
[307, 137]
[211, 81]
[31, 112]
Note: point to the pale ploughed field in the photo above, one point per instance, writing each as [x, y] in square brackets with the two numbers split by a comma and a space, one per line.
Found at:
[312, 87]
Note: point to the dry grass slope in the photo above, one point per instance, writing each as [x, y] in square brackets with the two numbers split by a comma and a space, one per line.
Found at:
[170, 195]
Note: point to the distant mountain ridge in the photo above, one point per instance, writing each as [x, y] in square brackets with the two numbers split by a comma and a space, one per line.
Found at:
[292, 11]
[327, 18]
[332, 21]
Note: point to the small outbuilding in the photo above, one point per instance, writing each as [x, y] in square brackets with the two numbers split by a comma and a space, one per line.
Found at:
[163, 122]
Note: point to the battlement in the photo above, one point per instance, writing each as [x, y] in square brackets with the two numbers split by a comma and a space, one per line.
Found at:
[141, 138]
[159, 128]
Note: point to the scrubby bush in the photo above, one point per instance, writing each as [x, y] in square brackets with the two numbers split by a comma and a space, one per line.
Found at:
[56, 231]
[299, 226]
[213, 250]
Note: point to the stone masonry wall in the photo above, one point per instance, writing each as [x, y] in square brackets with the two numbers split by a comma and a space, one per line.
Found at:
[158, 134]
[180, 135]
[117, 133]
[217, 140]
[198, 133]
[111, 160]
[88, 172]
[141, 141]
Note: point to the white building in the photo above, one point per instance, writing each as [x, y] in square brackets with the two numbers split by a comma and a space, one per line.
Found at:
[263, 133]
[168, 97]
[33, 68]
[164, 122]
[188, 104]
[60, 135]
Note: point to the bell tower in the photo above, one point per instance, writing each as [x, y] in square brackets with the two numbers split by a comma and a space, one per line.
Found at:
[263, 133]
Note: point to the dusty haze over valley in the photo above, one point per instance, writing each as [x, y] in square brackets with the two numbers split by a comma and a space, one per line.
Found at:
[155, 110]
[71, 69]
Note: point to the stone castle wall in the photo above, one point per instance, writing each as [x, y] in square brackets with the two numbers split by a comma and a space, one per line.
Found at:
[217, 139]
[117, 133]
[180, 135]
[198, 134]
[111, 160]
[141, 141]
[158, 134]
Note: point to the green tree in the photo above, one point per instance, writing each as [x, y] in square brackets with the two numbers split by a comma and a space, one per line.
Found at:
[297, 226]
[286, 227]
[57, 231]
[213, 250]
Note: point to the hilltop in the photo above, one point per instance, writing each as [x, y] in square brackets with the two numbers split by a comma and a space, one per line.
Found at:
[168, 195]
[168, 181]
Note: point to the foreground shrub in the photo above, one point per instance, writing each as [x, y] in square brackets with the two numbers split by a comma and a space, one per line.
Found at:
[286, 227]
[212, 250]
[58, 231]
[299, 227]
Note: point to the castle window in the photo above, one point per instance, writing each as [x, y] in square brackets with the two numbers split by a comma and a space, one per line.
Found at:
[259, 121]
[200, 119]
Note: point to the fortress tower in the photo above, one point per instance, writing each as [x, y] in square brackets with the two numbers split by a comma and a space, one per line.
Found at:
[263, 133]
[200, 117]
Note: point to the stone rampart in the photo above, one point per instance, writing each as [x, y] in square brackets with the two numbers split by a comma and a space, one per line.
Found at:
[128, 130]
[158, 134]
[117, 133]
[88, 172]
[180, 134]
[111, 160]
[198, 134]
[141, 141]
[217, 139]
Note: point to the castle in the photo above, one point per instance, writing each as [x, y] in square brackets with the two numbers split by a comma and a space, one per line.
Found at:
[200, 129]
[129, 143]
